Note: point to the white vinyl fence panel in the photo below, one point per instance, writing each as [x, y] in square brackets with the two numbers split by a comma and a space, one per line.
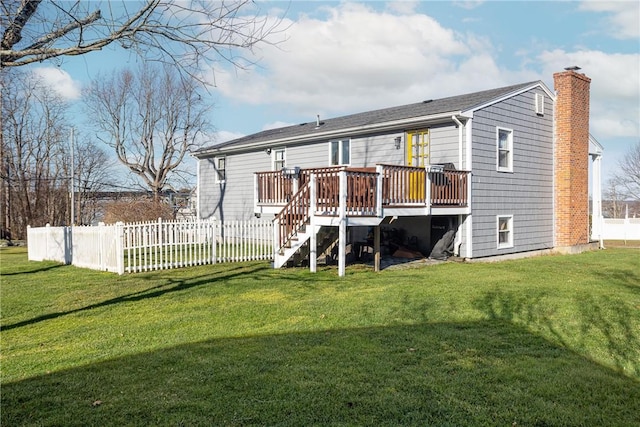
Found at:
[149, 246]
[621, 229]
[96, 247]
[49, 243]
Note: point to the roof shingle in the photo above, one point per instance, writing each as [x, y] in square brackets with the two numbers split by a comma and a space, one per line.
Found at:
[426, 108]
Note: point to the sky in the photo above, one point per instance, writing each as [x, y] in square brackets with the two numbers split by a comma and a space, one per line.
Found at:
[337, 58]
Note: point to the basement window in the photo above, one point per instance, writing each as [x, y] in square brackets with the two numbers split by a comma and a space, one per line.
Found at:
[504, 149]
[505, 231]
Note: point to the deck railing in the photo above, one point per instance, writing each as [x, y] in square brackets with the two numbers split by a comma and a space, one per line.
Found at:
[274, 188]
[402, 186]
[449, 188]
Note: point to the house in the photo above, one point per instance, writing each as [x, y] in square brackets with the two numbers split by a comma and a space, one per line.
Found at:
[505, 171]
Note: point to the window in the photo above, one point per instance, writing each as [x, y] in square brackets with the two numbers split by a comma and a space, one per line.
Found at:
[278, 160]
[418, 148]
[221, 168]
[339, 152]
[505, 231]
[505, 150]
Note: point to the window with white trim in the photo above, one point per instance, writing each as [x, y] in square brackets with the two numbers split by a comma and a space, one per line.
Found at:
[504, 149]
[505, 231]
[279, 161]
[339, 152]
[221, 169]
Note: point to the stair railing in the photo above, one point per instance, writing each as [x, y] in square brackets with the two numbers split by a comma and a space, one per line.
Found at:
[293, 216]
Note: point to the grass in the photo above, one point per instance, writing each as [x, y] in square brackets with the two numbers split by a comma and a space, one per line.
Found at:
[552, 340]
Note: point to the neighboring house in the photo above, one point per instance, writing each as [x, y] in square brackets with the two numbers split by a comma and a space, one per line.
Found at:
[184, 203]
[506, 169]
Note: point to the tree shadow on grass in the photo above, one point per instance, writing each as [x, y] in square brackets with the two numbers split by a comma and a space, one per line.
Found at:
[464, 374]
[169, 285]
[38, 268]
[601, 321]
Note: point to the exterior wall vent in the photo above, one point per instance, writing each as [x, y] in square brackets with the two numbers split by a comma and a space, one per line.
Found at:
[539, 104]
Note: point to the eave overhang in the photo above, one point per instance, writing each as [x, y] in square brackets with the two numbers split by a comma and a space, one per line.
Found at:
[394, 125]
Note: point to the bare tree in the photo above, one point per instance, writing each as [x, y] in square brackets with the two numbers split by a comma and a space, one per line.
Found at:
[613, 204]
[151, 118]
[184, 33]
[627, 177]
[33, 131]
[92, 176]
[37, 167]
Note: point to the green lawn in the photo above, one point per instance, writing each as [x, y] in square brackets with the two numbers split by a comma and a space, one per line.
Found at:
[546, 341]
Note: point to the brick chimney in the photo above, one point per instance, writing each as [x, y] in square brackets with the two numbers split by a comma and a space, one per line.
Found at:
[571, 159]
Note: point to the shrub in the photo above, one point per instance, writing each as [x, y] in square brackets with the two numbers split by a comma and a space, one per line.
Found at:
[137, 211]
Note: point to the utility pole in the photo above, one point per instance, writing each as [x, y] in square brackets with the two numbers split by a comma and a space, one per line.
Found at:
[3, 197]
[73, 199]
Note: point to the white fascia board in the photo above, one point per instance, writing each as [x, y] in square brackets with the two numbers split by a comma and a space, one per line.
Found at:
[383, 126]
[540, 84]
[595, 148]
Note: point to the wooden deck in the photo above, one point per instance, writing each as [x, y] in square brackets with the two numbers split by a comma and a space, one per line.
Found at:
[337, 192]
[401, 186]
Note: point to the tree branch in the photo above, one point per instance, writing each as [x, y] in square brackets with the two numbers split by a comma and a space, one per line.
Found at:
[62, 31]
[189, 35]
[13, 33]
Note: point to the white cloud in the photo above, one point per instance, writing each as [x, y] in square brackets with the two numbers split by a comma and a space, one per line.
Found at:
[404, 7]
[60, 81]
[276, 125]
[357, 58]
[615, 88]
[623, 17]
[223, 136]
[469, 4]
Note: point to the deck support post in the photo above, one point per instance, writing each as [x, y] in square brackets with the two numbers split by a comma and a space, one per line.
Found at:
[379, 184]
[276, 242]
[342, 226]
[313, 242]
[376, 248]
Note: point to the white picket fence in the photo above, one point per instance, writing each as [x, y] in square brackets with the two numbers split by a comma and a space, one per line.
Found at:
[150, 246]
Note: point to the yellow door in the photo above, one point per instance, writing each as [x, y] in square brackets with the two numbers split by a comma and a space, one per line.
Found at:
[417, 155]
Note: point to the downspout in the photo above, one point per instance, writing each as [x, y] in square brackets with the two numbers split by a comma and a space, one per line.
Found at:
[458, 240]
[198, 187]
[469, 167]
[460, 144]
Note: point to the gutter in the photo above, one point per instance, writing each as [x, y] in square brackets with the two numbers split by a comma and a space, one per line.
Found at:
[460, 126]
[393, 125]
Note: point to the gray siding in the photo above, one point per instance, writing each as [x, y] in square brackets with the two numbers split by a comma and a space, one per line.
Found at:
[307, 156]
[371, 150]
[527, 193]
[233, 198]
[444, 145]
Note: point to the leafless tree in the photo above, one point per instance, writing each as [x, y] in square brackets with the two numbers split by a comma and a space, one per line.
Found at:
[151, 118]
[37, 167]
[627, 177]
[186, 33]
[613, 203]
[33, 131]
[93, 175]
